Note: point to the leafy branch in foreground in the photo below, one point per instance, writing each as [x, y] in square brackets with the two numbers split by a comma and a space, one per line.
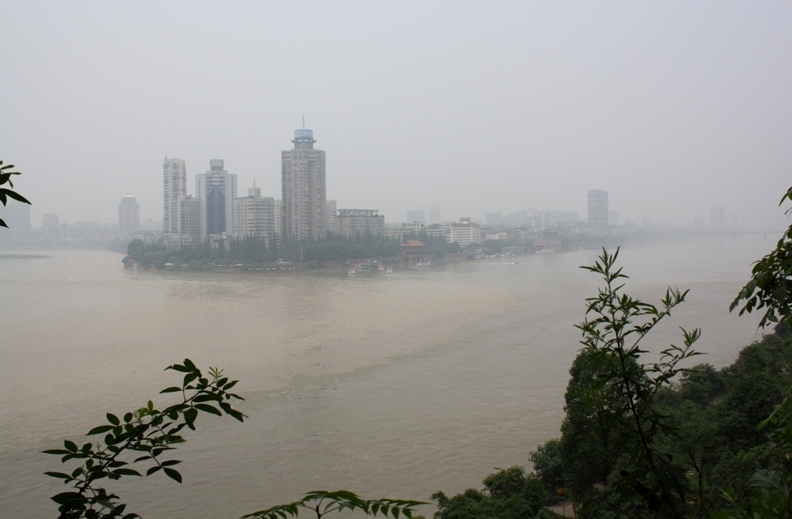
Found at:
[5, 193]
[150, 433]
[147, 433]
[613, 330]
[322, 503]
[771, 281]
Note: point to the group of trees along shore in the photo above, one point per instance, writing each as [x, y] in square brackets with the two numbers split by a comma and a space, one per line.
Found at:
[640, 439]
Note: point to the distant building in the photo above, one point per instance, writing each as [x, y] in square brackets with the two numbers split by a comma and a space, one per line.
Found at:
[254, 216]
[216, 189]
[416, 215]
[50, 227]
[434, 215]
[279, 217]
[414, 227]
[494, 218]
[464, 233]
[597, 208]
[303, 184]
[128, 218]
[17, 216]
[174, 180]
[560, 218]
[332, 212]
[521, 218]
[187, 214]
[357, 222]
[181, 221]
[414, 253]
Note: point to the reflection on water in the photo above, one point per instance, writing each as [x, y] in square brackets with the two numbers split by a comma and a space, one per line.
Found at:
[390, 385]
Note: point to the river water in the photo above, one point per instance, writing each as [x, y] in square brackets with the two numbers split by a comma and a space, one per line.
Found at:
[390, 386]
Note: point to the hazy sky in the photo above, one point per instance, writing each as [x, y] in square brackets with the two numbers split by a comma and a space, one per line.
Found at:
[472, 106]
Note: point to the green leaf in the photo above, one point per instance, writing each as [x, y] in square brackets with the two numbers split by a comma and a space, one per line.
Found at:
[66, 497]
[173, 474]
[58, 452]
[113, 419]
[208, 409]
[70, 446]
[126, 472]
[59, 475]
[172, 389]
[16, 196]
[99, 430]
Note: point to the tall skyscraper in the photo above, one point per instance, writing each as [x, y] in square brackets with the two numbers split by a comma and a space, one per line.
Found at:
[304, 210]
[128, 218]
[174, 173]
[597, 208]
[217, 190]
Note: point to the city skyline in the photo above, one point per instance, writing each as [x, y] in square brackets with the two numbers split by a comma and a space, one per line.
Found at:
[670, 107]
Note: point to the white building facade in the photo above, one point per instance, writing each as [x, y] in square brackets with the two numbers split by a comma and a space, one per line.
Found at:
[254, 216]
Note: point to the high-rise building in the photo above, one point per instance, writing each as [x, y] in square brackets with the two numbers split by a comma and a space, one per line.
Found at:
[279, 217]
[174, 173]
[434, 214]
[304, 189]
[128, 218]
[597, 208]
[216, 189]
[332, 212]
[190, 220]
[17, 216]
[254, 215]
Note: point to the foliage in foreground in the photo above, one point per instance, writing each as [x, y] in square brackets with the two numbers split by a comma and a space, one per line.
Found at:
[146, 437]
[507, 494]
[6, 172]
[637, 442]
[612, 397]
[770, 287]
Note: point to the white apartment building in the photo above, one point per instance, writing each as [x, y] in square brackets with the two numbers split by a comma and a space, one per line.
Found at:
[254, 216]
[464, 233]
[174, 182]
[357, 222]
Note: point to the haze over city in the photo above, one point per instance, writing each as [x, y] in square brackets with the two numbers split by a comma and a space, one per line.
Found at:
[473, 107]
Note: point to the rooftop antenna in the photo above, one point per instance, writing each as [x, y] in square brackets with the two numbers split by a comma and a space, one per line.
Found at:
[254, 181]
[303, 122]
